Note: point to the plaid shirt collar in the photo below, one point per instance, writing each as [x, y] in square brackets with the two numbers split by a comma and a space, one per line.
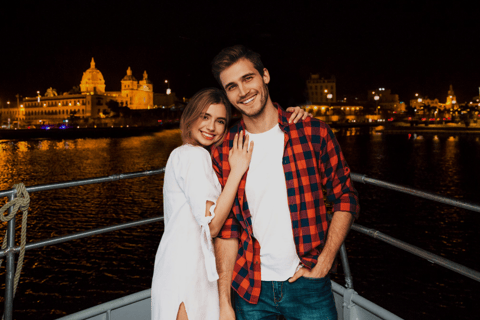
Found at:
[282, 119]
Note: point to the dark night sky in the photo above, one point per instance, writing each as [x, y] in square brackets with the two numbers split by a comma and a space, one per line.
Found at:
[412, 46]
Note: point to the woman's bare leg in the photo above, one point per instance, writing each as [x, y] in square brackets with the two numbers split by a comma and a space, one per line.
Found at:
[182, 313]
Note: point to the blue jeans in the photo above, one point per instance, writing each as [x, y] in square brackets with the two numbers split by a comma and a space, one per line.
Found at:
[305, 299]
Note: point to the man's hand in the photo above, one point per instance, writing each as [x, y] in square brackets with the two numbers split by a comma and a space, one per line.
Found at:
[319, 271]
[227, 312]
[337, 232]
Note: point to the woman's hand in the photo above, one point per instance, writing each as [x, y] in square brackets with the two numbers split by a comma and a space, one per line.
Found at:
[297, 114]
[240, 154]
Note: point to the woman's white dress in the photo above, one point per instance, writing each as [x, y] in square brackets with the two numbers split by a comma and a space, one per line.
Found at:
[185, 268]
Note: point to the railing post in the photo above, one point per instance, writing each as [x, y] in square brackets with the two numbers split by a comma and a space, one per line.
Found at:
[10, 265]
[346, 267]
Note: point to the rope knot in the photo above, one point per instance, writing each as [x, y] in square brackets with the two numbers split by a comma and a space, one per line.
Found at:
[22, 196]
[22, 202]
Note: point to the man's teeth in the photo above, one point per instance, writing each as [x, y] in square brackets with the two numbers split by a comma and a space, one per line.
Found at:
[249, 100]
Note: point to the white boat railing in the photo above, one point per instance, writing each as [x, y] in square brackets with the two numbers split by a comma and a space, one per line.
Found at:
[350, 298]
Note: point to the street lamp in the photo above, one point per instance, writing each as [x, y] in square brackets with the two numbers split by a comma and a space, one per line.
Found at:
[8, 107]
[168, 87]
[376, 102]
[329, 97]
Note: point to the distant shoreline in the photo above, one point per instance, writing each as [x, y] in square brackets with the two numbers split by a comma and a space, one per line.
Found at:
[76, 133]
[443, 130]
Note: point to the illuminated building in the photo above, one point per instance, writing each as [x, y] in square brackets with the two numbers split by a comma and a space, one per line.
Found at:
[451, 99]
[90, 101]
[387, 101]
[419, 103]
[320, 89]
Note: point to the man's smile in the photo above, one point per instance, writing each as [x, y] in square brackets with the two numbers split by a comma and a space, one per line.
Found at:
[250, 99]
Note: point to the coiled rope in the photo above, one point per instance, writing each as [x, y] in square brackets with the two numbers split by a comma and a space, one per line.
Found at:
[22, 202]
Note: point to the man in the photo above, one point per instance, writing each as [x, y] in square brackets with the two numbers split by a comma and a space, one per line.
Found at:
[274, 244]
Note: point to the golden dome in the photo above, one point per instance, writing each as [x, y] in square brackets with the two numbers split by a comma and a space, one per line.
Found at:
[92, 80]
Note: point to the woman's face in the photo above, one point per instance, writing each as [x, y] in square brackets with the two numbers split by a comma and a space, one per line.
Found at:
[210, 126]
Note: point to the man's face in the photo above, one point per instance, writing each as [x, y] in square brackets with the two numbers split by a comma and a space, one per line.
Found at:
[246, 89]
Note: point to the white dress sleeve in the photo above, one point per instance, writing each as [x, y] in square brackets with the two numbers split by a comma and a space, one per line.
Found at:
[200, 184]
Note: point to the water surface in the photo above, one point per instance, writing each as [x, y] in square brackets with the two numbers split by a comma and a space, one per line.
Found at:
[62, 279]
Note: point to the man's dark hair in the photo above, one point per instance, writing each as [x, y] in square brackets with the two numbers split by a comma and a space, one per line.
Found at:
[231, 55]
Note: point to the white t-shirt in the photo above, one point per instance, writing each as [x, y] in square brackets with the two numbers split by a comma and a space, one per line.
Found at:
[266, 193]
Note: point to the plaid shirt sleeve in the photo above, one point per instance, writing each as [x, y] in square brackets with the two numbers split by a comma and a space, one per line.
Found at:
[335, 174]
[231, 228]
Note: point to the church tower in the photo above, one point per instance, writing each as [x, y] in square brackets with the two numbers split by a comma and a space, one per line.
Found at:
[146, 84]
[144, 98]
[451, 99]
[129, 82]
[129, 87]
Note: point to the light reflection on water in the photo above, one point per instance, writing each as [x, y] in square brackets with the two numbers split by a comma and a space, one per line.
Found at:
[97, 269]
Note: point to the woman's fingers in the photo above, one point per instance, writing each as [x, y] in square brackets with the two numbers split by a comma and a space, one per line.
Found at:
[245, 144]
[235, 141]
[294, 114]
[306, 114]
[240, 140]
[250, 148]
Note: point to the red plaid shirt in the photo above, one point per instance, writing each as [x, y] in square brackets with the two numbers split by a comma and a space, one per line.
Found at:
[312, 159]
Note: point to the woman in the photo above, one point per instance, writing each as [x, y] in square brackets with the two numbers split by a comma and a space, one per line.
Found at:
[184, 283]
